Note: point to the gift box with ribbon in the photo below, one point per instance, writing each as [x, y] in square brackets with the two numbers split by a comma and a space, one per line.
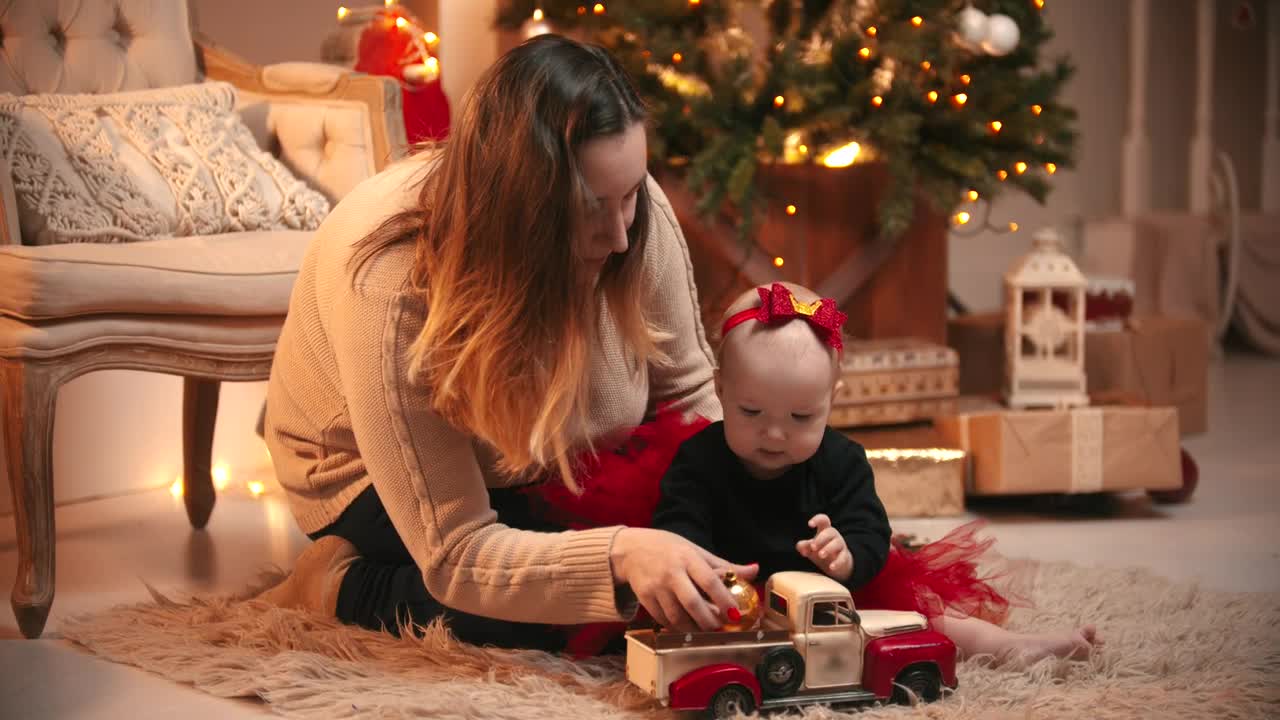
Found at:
[892, 381]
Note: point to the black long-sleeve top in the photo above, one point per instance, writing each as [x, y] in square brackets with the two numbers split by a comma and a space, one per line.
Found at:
[709, 498]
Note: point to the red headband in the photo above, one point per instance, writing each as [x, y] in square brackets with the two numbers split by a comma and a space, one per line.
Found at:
[778, 306]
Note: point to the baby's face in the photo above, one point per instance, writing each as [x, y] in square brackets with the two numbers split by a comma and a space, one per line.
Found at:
[776, 402]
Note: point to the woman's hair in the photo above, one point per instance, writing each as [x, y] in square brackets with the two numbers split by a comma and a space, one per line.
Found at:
[511, 311]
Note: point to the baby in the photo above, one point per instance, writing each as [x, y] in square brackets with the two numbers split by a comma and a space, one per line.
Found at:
[772, 484]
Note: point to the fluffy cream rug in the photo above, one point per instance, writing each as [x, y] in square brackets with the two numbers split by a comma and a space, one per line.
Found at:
[1172, 650]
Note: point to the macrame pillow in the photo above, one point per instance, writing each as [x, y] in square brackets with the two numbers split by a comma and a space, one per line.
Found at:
[144, 164]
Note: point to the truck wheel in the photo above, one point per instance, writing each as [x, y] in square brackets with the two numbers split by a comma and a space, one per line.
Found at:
[731, 699]
[922, 680]
[780, 672]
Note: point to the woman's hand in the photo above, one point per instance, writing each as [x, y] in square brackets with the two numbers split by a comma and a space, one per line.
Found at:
[678, 582]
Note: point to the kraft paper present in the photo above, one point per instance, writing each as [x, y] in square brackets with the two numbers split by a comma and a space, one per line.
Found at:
[916, 474]
[1083, 450]
[1163, 361]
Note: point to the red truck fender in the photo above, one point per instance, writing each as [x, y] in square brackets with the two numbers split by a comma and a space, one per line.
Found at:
[886, 657]
[694, 689]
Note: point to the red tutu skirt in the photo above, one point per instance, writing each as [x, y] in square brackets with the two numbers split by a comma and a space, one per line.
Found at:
[620, 486]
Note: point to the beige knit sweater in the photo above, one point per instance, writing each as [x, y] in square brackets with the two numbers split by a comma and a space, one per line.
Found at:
[342, 413]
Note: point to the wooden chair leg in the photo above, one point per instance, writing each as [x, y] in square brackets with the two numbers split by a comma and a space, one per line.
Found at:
[29, 402]
[199, 414]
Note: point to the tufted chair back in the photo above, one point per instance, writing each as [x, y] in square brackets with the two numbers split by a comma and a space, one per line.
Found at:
[94, 46]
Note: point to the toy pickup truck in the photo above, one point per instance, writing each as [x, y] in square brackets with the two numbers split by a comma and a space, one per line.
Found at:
[812, 647]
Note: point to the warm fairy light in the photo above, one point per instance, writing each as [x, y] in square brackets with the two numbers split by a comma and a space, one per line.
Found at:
[877, 101]
[1002, 174]
[926, 65]
[779, 101]
[221, 474]
[388, 3]
[256, 488]
[1020, 166]
[430, 38]
[864, 53]
[871, 31]
[175, 488]
[1013, 227]
[779, 262]
[996, 125]
[1050, 168]
[960, 99]
[1039, 4]
[343, 11]
[933, 96]
[695, 2]
[842, 156]
[896, 454]
[433, 65]
[537, 15]
[598, 9]
[962, 218]
[966, 79]
[804, 149]
[791, 209]
[402, 23]
[677, 57]
[973, 195]
[582, 10]
[917, 21]
[1036, 109]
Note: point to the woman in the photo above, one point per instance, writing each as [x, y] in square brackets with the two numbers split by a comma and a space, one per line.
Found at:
[472, 320]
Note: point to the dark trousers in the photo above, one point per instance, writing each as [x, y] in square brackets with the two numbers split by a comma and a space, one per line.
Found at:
[383, 589]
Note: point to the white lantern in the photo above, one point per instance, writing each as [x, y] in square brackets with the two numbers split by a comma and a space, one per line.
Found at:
[1044, 328]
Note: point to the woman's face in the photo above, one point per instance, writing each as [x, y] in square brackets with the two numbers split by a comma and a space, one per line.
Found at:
[614, 167]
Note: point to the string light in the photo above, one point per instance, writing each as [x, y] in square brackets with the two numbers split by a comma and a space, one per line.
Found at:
[871, 31]
[779, 101]
[582, 10]
[388, 3]
[917, 21]
[996, 125]
[537, 15]
[877, 101]
[960, 99]
[1020, 166]
[962, 218]
[401, 23]
[598, 9]
[933, 96]
[965, 79]
[1051, 168]
[1013, 227]
[256, 488]
[677, 58]
[695, 2]
[221, 476]
[343, 12]
[175, 488]
[926, 65]
[842, 156]
[864, 53]
[1039, 4]
[779, 262]
[430, 38]
[973, 195]
[791, 209]
[1036, 109]
[1002, 174]
[804, 149]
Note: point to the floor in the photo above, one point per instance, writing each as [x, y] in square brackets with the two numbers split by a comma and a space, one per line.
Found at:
[1227, 538]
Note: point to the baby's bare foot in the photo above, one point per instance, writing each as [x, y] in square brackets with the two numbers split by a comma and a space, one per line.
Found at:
[1075, 644]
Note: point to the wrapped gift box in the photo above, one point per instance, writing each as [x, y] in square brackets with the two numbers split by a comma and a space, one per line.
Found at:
[894, 381]
[1082, 450]
[1162, 361]
[916, 476]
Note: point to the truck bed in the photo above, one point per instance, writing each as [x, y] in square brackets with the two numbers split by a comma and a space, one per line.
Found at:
[666, 640]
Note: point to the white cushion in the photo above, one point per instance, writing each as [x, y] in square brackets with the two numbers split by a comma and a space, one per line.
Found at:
[243, 274]
[94, 46]
[137, 165]
[233, 338]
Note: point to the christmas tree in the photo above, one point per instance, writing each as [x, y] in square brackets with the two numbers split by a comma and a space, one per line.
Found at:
[949, 94]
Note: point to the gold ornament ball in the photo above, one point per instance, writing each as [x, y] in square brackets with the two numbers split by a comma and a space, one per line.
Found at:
[749, 609]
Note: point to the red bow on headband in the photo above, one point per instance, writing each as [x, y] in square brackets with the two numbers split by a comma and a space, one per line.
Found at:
[778, 305]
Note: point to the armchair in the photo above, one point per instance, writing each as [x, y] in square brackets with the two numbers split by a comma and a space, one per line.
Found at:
[206, 308]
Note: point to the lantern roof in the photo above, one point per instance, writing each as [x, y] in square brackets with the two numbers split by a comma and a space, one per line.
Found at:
[1046, 265]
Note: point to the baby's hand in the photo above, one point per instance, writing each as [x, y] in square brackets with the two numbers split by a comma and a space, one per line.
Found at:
[827, 549]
